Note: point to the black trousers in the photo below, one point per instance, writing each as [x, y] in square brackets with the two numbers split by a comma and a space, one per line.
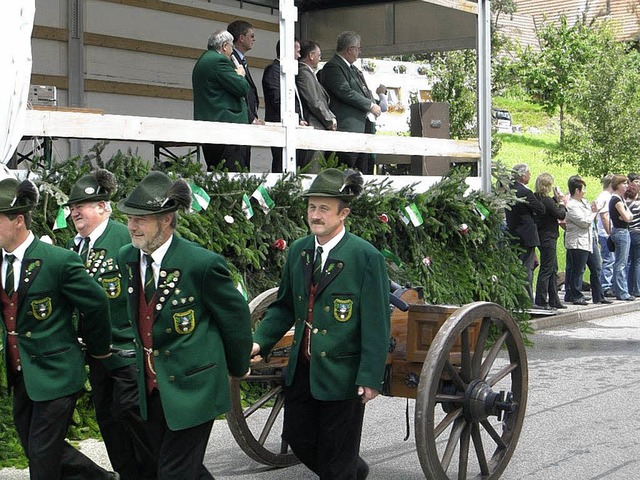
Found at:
[42, 427]
[178, 454]
[528, 259]
[115, 397]
[325, 436]
[547, 284]
[233, 156]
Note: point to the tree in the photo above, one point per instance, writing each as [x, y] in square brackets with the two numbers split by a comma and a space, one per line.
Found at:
[602, 135]
[549, 74]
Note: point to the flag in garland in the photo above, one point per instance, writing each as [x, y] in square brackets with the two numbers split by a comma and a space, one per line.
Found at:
[246, 206]
[389, 255]
[481, 210]
[242, 290]
[61, 218]
[414, 214]
[201, 198]
[263, 199]
[403, 217]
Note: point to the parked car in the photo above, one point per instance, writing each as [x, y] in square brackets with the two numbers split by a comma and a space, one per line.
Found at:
[502, 120]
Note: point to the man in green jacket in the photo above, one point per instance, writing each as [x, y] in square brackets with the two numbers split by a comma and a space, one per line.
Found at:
[220, 92]
[42, 287]
[335, 292]
[114, 387]
[192, 327]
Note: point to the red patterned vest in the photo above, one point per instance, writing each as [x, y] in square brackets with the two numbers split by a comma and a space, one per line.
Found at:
[145, 327]
[9, 313]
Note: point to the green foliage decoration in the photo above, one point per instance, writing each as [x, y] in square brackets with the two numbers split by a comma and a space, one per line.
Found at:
[464, 264]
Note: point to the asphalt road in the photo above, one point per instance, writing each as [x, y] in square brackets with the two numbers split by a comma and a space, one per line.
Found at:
[582, 420]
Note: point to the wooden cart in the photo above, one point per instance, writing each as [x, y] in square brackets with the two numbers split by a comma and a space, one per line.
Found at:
[470, 402]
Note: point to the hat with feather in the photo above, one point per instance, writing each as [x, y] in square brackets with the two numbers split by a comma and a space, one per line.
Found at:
[17, 196]
[155, 194]
[94, 187]
[337, 184]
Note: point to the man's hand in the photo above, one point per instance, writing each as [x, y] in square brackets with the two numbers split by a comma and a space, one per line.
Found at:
[258, 121]
[367, 393]
[375, 109]
[255, 353]
[381, 90]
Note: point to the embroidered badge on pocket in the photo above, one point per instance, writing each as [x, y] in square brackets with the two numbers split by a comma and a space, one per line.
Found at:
[42, 308]
[184, 322]
[111, 286]
[342, 309]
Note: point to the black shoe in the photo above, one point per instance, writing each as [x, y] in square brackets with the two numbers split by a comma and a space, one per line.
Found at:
[580, 302]
[609, 293]
[606, 302]
[540, 307]
[628, 299]
[559, 306]
[363, 469]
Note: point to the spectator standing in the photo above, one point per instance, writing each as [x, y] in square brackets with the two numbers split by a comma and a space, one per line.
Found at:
[520, 222]
[42, 287]
[579, 240]
[547, 224]
[603, 225]
[334, 290]
[350, 98]
[192, 327]
[244, 38]
[114, 388]
[633, 276]
[219, 95]
[620, 217]
[272, 102]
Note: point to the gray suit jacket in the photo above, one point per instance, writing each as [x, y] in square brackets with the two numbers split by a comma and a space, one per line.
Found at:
[315, 99]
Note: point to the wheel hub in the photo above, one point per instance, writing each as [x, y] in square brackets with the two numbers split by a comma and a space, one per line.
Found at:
[481, 402]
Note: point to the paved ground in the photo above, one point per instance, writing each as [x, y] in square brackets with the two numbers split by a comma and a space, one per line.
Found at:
[384, 447]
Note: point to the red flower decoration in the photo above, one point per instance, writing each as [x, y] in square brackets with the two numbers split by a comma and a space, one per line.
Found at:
[280, 244]
[463, 228]
[383, 218]
[426, 261]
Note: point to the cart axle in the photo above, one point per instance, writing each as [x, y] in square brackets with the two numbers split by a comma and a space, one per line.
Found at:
[481, 402]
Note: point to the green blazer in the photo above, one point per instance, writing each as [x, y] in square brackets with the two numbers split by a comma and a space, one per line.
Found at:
[219, 93]
[348, 101]
[101, 266]
[53, 283]
[201, 331]
[351, 324]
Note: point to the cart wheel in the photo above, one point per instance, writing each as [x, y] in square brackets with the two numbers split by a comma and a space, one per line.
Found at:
[257, 427]
[471, 402]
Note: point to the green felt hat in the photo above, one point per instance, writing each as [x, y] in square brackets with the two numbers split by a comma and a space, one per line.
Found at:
[156, 194]
[337, 184]
[16, 196]
[94, 187]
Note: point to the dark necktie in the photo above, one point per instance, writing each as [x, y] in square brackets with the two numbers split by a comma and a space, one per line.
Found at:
[84, 252]
[9, 281]
[317, 265]
[149, 283]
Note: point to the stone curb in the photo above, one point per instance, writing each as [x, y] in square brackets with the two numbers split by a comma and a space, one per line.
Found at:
[579, 313]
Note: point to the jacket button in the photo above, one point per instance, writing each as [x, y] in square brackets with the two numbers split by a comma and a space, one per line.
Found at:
[295, 342]
[314, 331]
[326, 309]
[167, 352]
[172, 378]
[27, 334]
[168, 330]
[324, 331]
[156, 353]
[323, 354]
[299, 298]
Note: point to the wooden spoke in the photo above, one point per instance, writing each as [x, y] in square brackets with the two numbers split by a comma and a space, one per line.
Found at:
[452, 443]
[453, 372]
[492, 355]
[262, 401]
[464, 452]
[465, 351]
[480, 342]
[502, 373]
[273, 415]
[446, 421]
[477, 444]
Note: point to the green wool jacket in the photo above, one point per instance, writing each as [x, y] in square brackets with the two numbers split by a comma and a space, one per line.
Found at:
[201, 332]
[101, 266]
[351, 317]
[53, 283]
[348, 101]
[219, 93]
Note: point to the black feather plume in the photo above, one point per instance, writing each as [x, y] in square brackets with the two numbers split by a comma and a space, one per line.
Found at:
[106, 181]
[26, 193]
[180, 194]
[352, 183]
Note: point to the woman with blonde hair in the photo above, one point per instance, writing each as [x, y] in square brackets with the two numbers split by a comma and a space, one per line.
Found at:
[620, 216]
[547, 224]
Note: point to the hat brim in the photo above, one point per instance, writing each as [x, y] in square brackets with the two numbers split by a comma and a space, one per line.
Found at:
[346, 198]
[90, 198]
[141, 212]
[17, 209]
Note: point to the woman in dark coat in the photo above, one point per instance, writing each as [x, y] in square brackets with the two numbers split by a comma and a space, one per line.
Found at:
[547, 223]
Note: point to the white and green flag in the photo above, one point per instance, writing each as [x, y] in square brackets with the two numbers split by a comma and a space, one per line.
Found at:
[246, 206]
[263, 198]
[61, 218]
[414, 214]
[201, 198]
